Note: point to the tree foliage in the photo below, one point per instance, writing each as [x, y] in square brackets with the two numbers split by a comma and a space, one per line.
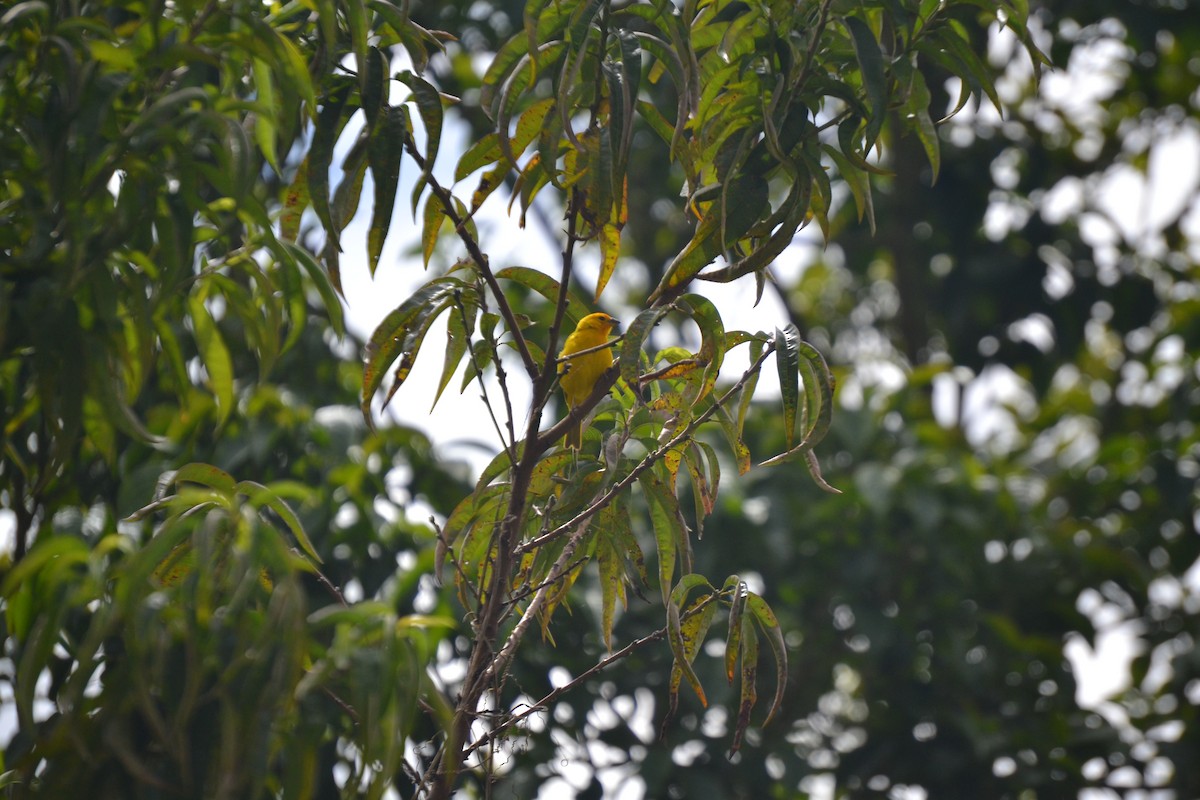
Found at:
[216, 586]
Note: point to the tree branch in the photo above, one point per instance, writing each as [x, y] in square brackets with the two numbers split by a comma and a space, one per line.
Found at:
[477, 256]
[646, 462]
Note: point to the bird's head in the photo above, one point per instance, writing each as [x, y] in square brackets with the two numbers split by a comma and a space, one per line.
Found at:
[599, 321]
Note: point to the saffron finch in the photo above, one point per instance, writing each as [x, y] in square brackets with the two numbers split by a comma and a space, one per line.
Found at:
[579, 374]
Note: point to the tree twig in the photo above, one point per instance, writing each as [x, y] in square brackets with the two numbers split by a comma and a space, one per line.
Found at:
[646, 462]
[477, 256]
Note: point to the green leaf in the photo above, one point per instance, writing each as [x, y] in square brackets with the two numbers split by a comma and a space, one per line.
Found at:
[431, 225]
[483, 152]
[265, 131]
[325, 287]
[736, 588]
[667, 524]
[214, 354]
[206, 475]
[429, 104]
[375, 81]
[543, 284]
[384, 154]
[390, 339]
[459, 326]
[349, 191]
[356, 17]
[260, 495]
[740, 205]
[630, 357]
[615, 544]
[859, 182]
[741, 453]
[712, 339]
[870, 62]
[756, 345]
[319, 157]
[787, 358]
[915, 115]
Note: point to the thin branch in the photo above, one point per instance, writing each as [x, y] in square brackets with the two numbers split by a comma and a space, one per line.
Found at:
[593, 349]
[510, 446]
[447, 200]
[646, 462]
[822, 19]
[599, 666]
[557, 573]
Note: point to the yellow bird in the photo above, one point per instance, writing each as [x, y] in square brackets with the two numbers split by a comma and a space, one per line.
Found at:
[579, 374]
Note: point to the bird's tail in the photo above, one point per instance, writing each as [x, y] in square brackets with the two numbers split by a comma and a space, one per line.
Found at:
[574, 436]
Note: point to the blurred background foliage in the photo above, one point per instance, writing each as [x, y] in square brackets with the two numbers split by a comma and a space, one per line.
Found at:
[1015, 442]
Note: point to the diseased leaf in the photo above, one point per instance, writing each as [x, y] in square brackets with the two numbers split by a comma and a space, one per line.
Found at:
[684, 646]
[769, 625]
[748, 695]
[736, 589]
[667, 524]
[295, 200]
[610, 250]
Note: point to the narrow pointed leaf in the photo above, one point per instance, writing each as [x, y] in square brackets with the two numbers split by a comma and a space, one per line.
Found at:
[319, 156]
[765, 617]
[431, 225]
[870, 62]
[325, 287]
[261, 495]
[295, 200]
[667, 524]
[215, 355]
[386, 149]
[206, 475]
[675, 636]
[712, 339]
[458, 339]
[544, 285]
[787, 358]
[737, 590]
[389, 339]
[630, 357]
[748, 695]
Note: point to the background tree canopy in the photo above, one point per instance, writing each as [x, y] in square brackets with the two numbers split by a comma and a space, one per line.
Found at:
[226, 579]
